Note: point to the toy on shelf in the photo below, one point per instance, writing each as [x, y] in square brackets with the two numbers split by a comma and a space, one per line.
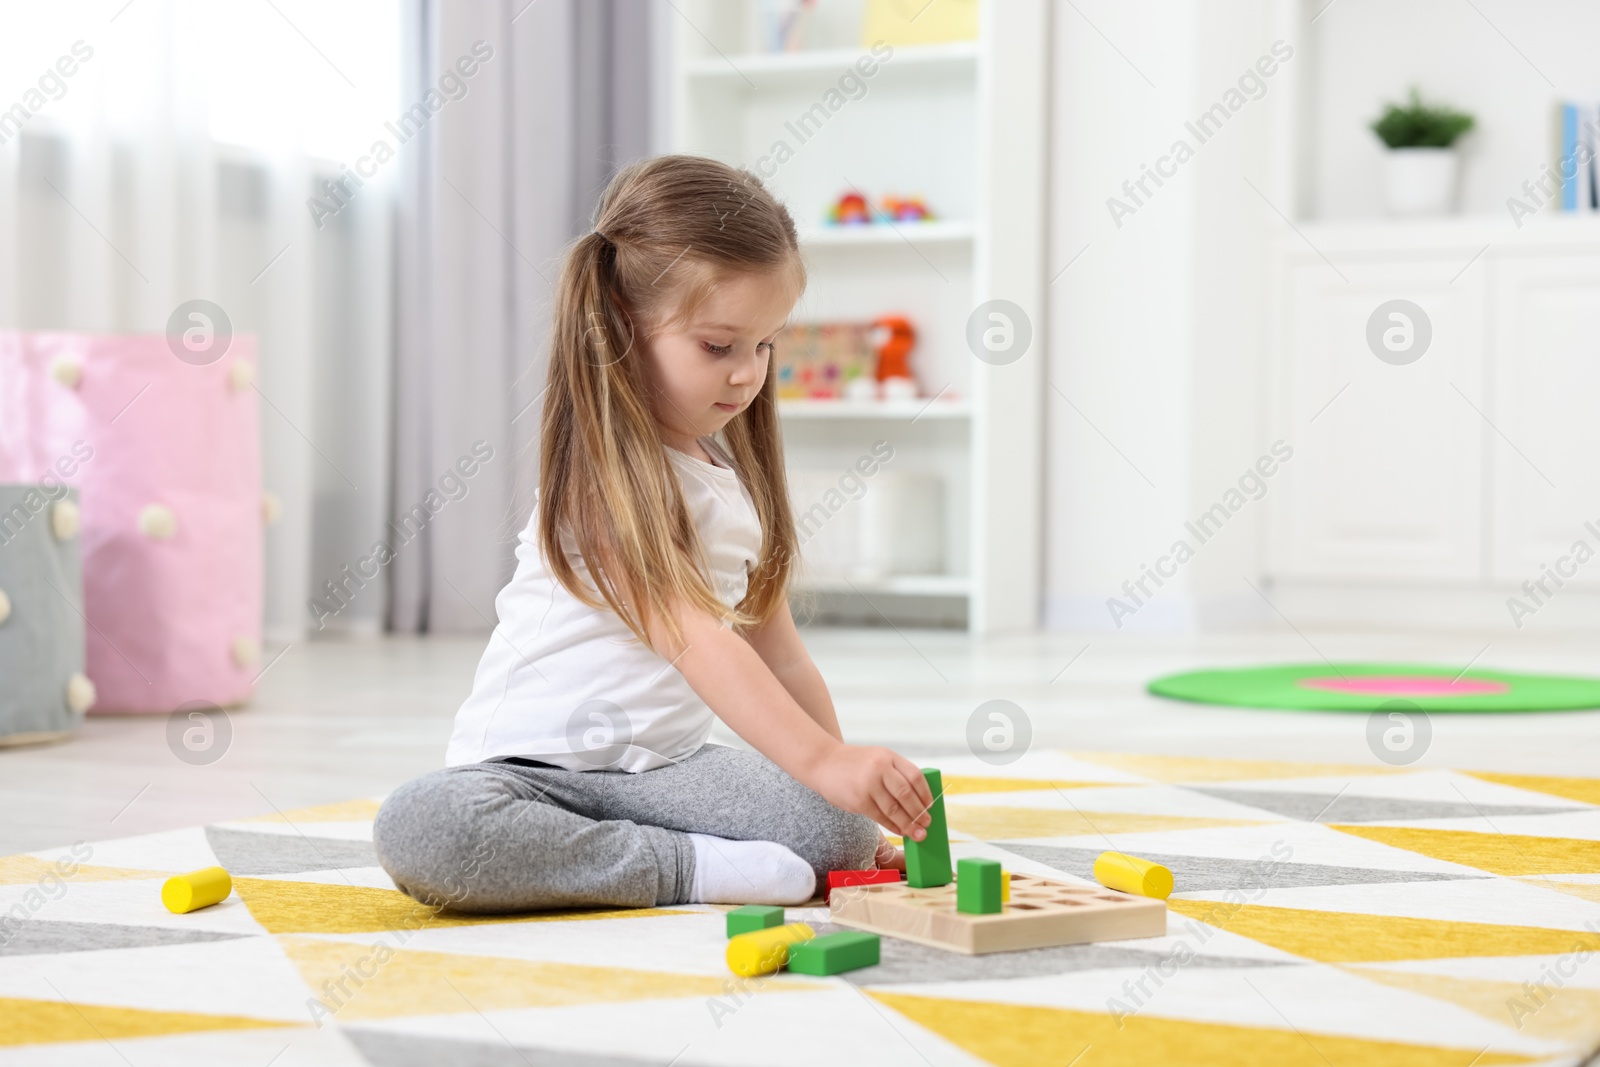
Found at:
[905, 209]
[784, 23]
[1041, 913]
[853, 209]
[897, 23]
[166, 456]
[43, 689]
[819, 361]
[841, 879]
[850, 210]
[1130, 874]
[858, 361]
[894, 337]
[184, 893]
[753, 917]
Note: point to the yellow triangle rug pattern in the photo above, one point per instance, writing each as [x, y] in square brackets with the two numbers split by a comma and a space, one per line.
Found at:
[356, 981]
[34, 1022]
[1509, 854]
[1356, 937]
[1360, 985]
[1016, 1035]
[1199, 769]
[284, 907]
[1001, 824]
[1547, 1010]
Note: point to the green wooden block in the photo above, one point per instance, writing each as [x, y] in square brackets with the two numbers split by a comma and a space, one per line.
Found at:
[978, 887]
[753, 917]
[834, 953]
[928, 860]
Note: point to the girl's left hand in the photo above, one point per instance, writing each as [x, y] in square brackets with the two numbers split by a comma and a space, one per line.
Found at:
[889, 857]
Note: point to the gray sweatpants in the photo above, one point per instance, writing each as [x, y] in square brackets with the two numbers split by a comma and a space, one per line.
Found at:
[502, 837]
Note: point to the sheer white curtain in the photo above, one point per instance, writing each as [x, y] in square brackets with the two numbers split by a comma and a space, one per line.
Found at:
[504, 177]
[161, 150]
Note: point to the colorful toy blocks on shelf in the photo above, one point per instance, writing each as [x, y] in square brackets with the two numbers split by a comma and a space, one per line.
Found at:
[1130, 874]
[43, 689]
[765, 951]
[753, 917]
[841, 879]
[848, 950]
[978, 887]
[184, 893]
[164, 452]
[928, 860]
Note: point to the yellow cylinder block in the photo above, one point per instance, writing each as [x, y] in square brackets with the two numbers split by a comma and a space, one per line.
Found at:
[765, 951]
[1130, 874]
[198, 889]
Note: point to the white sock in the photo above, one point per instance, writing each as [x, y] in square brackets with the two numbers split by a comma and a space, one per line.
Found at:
[748, 872]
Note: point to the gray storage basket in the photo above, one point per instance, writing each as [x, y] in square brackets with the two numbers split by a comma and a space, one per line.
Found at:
[43, 690]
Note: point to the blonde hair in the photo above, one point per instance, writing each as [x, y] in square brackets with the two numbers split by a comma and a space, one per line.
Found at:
[666, 232]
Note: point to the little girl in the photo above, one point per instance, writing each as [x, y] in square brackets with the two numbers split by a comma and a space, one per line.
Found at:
[651, 592]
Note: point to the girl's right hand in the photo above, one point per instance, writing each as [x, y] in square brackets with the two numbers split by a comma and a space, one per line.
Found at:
[875, 782]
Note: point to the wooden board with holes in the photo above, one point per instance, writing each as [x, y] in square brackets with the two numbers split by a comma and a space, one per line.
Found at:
[1041, 913]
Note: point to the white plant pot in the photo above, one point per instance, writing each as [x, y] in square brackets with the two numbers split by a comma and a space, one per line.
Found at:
[1420, 181]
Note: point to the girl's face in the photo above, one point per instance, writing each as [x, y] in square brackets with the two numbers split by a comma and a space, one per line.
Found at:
[710, 368]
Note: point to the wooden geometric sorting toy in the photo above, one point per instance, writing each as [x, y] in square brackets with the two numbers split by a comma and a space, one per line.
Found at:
[1040, 914]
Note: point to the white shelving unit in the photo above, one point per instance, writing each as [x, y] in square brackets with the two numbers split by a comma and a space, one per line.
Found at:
[963, 126]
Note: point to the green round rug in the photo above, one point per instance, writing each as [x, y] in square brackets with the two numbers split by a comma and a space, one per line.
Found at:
[1368, 686]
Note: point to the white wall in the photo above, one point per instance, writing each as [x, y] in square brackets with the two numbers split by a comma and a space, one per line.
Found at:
[1156, 330]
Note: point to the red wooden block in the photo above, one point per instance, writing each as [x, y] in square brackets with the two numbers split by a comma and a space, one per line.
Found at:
[840, 879]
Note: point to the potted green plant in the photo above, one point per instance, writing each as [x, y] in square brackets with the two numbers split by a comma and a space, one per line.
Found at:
[1422, 165]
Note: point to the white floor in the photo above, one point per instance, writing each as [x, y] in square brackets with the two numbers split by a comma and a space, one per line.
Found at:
[335, 720]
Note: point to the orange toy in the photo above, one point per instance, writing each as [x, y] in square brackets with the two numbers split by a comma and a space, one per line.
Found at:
[894, 338]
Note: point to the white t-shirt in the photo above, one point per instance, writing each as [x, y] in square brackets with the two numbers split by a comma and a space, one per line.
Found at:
[571, 685]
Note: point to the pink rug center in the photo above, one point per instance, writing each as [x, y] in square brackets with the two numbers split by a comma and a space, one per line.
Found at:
[1406, 685]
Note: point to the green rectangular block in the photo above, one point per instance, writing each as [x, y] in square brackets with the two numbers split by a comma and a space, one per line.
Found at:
[978, 887]
[928, 860]
[834, 953]
[753, 917]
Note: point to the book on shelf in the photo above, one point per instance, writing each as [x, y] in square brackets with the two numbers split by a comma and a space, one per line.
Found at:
[1578, 170]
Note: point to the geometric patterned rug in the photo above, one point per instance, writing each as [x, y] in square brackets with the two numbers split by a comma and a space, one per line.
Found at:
[1323, 915]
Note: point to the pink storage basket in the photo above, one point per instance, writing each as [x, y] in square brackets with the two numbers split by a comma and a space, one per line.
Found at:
[166, 457]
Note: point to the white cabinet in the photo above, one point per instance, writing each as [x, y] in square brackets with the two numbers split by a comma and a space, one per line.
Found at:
[1470, 468]
[1387, 476]
[1546, 389]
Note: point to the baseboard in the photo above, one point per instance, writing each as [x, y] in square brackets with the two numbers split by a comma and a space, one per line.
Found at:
[1167, 613]
[1475, 608]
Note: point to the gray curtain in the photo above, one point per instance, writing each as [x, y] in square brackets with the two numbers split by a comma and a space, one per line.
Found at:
[504, 176]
